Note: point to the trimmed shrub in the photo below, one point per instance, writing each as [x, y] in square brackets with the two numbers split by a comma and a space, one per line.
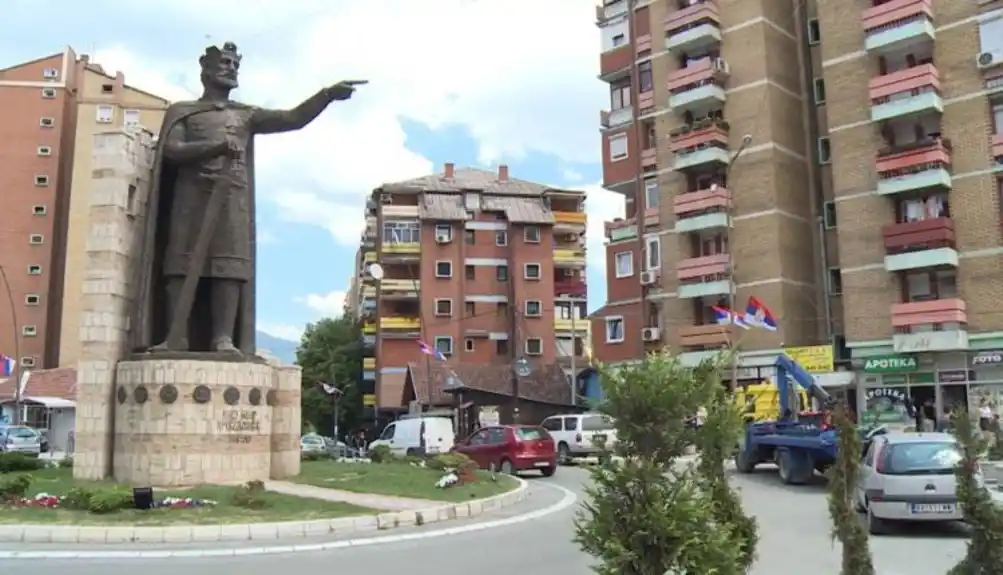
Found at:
[11, 462]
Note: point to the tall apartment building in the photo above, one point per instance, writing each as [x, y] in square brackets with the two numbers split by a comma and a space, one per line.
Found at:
[871, 137]
[485, 268]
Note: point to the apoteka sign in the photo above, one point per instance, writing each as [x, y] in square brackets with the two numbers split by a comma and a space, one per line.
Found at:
[886, 405]
[891, 364]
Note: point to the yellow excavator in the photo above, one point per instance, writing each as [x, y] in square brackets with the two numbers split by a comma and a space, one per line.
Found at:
[761, 402]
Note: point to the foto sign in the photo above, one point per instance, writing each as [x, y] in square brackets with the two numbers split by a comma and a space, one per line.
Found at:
[987, 358]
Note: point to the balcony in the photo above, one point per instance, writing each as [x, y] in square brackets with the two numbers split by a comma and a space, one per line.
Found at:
[394, 211]
[369, 363]
[701, 147]
[997, 146]
[905, 93]
[616, 118]
[581, 325]
[704, 276]
[570, 221]
[401, 248]
[919, 166]
[702, 210]
[569, 258]
[646, 100]
[649, 158]
[918, 245]
[400, 289]
[574, 288]
[368, 291]
[369, 257]
[400, 324]
[693, 28]
[620, 230]
[937, 325]
[699, 87]
[369, 328]
[609, 10]
[899, 25]
[711, 336]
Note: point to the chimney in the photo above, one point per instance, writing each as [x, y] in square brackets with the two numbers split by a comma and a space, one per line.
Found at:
[502, 173]
[448, 171]
[86, 59]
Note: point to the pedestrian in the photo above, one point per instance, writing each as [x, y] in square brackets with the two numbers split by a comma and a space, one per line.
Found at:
[944, 424]
[987, 419]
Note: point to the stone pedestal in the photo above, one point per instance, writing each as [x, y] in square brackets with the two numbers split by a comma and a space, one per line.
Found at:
[189, 422]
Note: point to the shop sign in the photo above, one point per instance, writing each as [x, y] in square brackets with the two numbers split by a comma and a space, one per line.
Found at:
[987, 358]
[891, 364]
[886, 405]
[814, 358]
[369, 400]
[953, 376]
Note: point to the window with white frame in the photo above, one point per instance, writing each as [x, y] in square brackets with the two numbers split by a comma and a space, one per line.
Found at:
[38, 210]
[814, 31]
[36, 239]
[829, 215]
[444, 345]
[50, 73]
[443, 233]
[46, 122]
[618, 147]
[443, 307]
[624, 264]
[998, 118]
[991, 34]
[48, 93]
[28, 361]
[567, 310]
[532, 271]
[818, 90]
[651, 198]
[614, 329]
[32, 299]
[468, 344]
[501, 238]
[653, 252]
[29, 331]
[444, 269]
[824, 150]
[130, 117]
[534, 308]
[43, 151]
[105, 114]
[534, 346]
[401, 232]
[34, 270]
[531, 234]
[41, 180]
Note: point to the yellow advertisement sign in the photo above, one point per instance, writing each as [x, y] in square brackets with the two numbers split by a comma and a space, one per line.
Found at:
[368, 400]
[814, 358]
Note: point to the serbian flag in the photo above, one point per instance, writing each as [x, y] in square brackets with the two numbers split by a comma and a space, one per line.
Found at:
[757, 314]
[724, 316]
[7, 365]
[429, 350]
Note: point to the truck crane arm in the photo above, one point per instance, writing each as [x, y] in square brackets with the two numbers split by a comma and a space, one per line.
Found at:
[787, 367]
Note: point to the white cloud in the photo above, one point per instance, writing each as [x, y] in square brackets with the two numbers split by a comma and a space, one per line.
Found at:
[601, 206]
[571, 176]
[284, 331]
[331, 304]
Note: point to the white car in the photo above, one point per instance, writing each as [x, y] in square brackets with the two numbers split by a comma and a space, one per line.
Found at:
[417, 436]
[580, 434]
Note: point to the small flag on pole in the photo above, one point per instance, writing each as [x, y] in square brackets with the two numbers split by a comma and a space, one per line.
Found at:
[724, 316]
[757, 314]
[7, 365]
[428, 350]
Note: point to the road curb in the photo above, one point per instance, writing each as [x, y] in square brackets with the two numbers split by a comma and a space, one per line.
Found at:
[116, 534]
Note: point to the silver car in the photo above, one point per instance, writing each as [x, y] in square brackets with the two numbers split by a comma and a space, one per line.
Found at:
[909, 477]
[20, 439]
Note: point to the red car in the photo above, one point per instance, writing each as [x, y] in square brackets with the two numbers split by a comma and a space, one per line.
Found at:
[511, 448]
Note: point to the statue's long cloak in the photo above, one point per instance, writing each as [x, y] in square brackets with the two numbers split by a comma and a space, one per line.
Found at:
[148, 322]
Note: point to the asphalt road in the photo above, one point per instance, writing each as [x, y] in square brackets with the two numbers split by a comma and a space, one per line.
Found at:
[794, 527]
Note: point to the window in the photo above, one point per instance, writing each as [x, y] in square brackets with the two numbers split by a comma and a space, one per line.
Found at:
[38, 210]
[829, 215]
[41, 181]
[29, 331]
[472, 201]
[931, 285]
[444, 345]
[534, 308]
[532, 271]
[36, 239]
[534, 346]
[468, 344]
[998, 118]
[531, 235]
[48, 93]
[552, 424]
[645, 81]
[44, 151]
[618, 147]
[46, 122]
[130, 117]
[501, 238]
[501, 273]
[614, 329]
[818, 88]
[653, 252]
[27, 361]
[443, 269]
[991, 34]
[624, 262]
[443, 307]
[401, 232]
[835, 281]
[469, 309]
[470, 237]
[388, 432]
[443, 233]
[501, 308]
[651, 193]
[814, 32]
[32, 299]
[501, 346]
[470, 272]
[922, 208]
[619, 40]
[50, 73]
[105, 114]
[619, 95]
[34, 270]
[824, 150]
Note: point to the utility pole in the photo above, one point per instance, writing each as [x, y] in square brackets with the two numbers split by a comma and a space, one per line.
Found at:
[732, 286]
[16, 372]
[574, 353]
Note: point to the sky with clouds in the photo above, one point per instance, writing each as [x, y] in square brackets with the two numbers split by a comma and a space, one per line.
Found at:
[474, 82]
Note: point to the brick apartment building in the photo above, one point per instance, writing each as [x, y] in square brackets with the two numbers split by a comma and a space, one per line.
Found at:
[485, 268]
[53, 106]
[863, 207]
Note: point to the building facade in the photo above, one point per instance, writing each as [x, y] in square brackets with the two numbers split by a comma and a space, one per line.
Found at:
[838, 160]
[485, 268]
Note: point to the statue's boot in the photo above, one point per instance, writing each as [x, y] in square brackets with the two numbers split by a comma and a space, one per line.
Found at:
[225, 345]
[180, 345]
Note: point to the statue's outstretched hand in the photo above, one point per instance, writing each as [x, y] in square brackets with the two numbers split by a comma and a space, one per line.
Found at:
[343, 90]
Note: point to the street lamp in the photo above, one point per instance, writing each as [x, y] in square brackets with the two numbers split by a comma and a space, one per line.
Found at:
[732, 289]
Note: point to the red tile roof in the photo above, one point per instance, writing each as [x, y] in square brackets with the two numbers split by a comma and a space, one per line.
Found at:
[60, 382]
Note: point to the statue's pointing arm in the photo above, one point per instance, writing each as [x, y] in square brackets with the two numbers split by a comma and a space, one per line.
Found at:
[179, 150]
[276, 121]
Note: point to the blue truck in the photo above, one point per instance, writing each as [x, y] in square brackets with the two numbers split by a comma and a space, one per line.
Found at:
[799, 443]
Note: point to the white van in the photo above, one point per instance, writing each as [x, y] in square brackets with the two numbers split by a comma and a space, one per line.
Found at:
[429, 435]
[578, 435]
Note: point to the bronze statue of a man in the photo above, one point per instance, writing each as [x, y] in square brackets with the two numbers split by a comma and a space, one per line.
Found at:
[197, 273]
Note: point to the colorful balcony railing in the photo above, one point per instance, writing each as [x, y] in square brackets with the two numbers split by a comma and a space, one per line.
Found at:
[573, 288]
[401, 248]
[917, 166]
[400, 323]
[563, 256]
[898, 25]
[400, 286]
[693, 27]
[919, 235]
[704, 276]
[369, 363]
[565, 324]
[570, 217]
[905, 92]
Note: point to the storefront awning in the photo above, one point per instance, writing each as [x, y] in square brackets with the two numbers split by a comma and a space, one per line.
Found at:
[52, 402]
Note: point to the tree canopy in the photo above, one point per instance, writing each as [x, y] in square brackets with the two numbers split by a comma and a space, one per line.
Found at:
[330, 352]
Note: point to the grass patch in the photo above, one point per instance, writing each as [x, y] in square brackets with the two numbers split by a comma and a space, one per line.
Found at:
[275, 506]
[399, 479]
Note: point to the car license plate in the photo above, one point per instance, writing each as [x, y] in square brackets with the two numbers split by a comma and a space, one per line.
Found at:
[542, 464]
[599, 438]
[931, 508]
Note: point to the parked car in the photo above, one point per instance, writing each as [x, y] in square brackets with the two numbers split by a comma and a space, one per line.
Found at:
[20, 439]
[312, 444]
[580, 434]
[420, 435]
[511, 448]
[43, 438]
[909, 477]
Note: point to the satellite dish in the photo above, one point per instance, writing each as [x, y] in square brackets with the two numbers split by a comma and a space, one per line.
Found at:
[376, 271]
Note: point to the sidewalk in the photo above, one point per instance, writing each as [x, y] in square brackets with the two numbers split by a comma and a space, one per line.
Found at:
[370, 500]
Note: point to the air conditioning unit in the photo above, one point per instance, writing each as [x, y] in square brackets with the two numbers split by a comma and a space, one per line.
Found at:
[988, 60]
[649, 278]
[650, 334]
[721, 66]
[442, 239]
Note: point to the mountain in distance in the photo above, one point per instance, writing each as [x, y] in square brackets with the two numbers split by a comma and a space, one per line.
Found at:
[283, 349]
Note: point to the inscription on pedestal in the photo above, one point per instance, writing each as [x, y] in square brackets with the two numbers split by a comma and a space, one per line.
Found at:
[239, 424]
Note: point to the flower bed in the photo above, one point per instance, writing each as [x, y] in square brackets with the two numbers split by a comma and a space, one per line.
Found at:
[47, 501]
